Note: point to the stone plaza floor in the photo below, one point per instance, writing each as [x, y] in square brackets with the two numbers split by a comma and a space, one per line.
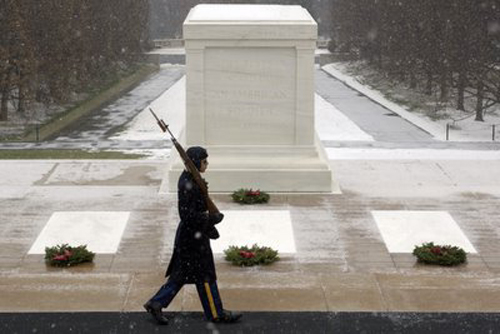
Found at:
[340, 261]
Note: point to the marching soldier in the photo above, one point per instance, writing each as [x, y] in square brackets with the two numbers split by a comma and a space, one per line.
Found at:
[192, 260]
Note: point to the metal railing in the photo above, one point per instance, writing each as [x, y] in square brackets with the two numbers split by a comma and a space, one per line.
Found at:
[493, 128]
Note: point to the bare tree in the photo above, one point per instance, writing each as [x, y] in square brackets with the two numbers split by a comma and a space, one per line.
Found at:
[449, 45]
[49, 49]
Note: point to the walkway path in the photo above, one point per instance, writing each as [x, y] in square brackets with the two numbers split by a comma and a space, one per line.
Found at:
[378, 121]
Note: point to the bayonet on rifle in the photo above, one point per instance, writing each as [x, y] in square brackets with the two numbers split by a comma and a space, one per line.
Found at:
[191, 168]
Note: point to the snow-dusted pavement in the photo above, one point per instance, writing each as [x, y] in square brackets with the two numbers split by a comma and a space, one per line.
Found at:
[335, 256]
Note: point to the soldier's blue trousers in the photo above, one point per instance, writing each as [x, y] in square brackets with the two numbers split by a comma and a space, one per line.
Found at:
[207, 291]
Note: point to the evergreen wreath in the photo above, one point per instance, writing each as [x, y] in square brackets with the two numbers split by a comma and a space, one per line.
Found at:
[442, 255]
[249, 196]
[245, 256]
[67, 256]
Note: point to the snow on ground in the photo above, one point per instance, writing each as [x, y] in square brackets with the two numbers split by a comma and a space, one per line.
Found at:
[331, 124]
[170, 106]
[336, 70]
[460, 130]
[334, 153]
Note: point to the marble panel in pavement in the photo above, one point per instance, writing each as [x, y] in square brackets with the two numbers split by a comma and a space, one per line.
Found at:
[136, 264]
[334, 267]
[9, 264]
[451, 293]
[352, 292]
[23, 172]
[394, 179]
[14, 247]
[493, 263]
[311, 200]
[272, 299]
[407, 263]
[367, 267]
[107, 173]
[249, 298]
[255, 277]
[144, 286]
[256, 289]
[92, 198]
[63, 292]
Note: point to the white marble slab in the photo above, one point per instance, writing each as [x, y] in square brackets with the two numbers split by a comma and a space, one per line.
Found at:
[403, 230]
[270, 228]
[101, 231]
[248, 12]
[24, 172]
[246, 22]
[11, 192]
[332, 124]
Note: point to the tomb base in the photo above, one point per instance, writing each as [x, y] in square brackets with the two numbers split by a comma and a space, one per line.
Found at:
[288, 169]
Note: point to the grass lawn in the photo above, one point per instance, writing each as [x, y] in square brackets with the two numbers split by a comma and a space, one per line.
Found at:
[65, 154]
[108, 93]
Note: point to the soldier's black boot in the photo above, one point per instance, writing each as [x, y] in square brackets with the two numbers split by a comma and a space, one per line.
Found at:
[154, 308]
[228, 317]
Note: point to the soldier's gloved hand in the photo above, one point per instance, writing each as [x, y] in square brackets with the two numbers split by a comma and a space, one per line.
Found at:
[212, 233]
[215, 218]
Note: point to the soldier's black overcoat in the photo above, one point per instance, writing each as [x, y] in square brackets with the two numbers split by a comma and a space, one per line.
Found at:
[192, 259]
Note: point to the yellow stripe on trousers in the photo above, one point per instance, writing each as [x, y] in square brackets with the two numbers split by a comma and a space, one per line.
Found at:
[211, 301]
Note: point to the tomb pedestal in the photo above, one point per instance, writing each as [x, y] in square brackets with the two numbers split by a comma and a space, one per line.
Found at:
[250, 98]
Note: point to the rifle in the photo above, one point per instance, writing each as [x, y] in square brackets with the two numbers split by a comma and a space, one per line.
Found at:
[191, 168]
